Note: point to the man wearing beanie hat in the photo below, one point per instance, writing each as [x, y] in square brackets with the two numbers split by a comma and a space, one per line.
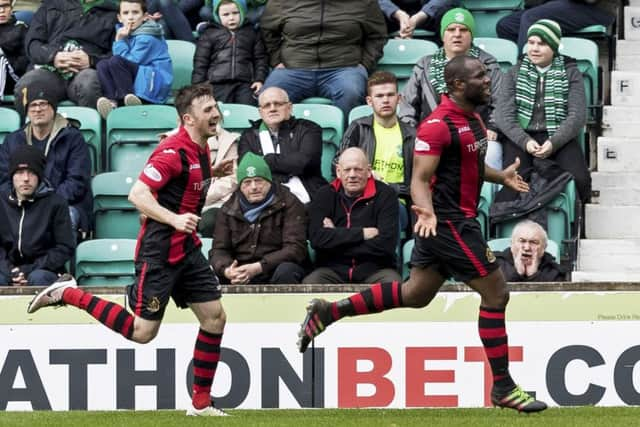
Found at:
[405, 16]
[571, 16]
[68, 161]
[421, 95]
[35, 233]
[260, 234]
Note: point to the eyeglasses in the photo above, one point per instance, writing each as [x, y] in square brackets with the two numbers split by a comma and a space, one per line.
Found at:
[38, 105]
[274, 104]
[5, 6]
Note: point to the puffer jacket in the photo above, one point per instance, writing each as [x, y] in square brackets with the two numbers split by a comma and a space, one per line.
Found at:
[278, 234]
[36, 233]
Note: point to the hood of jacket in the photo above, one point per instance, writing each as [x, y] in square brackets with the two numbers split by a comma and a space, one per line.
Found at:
[148, 27]
[43, 190]
[242, 7]
[59, 122]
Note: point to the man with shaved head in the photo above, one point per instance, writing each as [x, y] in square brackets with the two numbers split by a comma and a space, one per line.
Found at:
[448, 171]
[291, 147]
[353, 226]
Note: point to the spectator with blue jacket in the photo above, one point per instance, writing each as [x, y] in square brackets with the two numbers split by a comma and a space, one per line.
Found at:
[140, 68]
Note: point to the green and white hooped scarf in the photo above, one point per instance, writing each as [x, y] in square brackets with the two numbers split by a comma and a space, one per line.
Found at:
[436, 68]
[556, 91]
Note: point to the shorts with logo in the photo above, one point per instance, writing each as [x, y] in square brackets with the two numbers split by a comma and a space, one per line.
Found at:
[458, 250]
[191, 280]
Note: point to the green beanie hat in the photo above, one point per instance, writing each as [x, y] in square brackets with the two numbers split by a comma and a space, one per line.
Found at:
[457, 16]
[549, 31]
[252, 165]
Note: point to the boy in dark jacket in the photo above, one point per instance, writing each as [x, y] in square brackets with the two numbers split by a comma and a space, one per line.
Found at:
[13, 60]
[231, 55]
[35, 234]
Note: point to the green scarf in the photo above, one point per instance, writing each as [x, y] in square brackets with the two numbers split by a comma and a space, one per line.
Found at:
[436, 68]
[556, 92]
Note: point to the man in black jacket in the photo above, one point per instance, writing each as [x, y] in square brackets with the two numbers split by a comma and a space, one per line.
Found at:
[35, 232]
[13, 61]
[65, 41]
[353, 226]
[526, 259]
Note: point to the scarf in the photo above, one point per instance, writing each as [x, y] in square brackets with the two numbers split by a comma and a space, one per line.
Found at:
[556, 92]
[436, 68]
[252, 211]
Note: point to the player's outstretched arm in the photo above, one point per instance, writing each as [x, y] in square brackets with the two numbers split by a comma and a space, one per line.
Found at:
[508, 177]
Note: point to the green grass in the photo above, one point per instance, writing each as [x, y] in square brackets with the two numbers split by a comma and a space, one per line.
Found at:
[565, 417]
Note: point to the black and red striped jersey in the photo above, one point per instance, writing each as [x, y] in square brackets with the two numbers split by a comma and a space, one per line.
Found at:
[460, 139]
[179, 174]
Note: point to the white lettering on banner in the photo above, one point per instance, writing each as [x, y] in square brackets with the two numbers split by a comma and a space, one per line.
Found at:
[399, 364]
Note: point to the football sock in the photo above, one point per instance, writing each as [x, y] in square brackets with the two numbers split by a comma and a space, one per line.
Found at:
[493, 334]
[379, 297]
[206, 355]
[110, 314]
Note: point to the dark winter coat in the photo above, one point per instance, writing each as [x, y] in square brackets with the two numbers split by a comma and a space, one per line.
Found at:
[230, 56]
[34, 234]
[343, 248]
[548, 270]
[12, 35]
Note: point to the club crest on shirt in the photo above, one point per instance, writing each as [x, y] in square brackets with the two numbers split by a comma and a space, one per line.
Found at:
[421, 145]
[152, 173]
[490, 256]
[154, 305]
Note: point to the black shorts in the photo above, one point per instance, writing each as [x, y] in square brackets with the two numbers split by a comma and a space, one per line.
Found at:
[458, 250]
[191, 280]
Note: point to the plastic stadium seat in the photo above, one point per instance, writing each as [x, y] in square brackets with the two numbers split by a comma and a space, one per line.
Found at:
[359, 111]
[486, 198]
[132, 134]
[115, 217]
[207, 244]
[407, 248]
[236, 116]
[586, 53]
[91, 128]
[510, 5]
[486, 21]
[181, 53]
[505, 51]
[105, 262]
[317, 100]
[400, 56]
[9, 122]
[501, 244]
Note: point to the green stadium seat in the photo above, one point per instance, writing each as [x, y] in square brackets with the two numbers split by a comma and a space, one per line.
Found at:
[91, 128]
[486, 198]
[9, 122]
[181, 53]
[317, 100]
[359, 111]
[498, 245]
[401, 55]
[105, 262]
[132, 134]
[510, 5]
[486, 21]
[207, 244]
[115, 217]
[329, 151]
[407, 248]
[418, 33]
[505, 51]
[586, 53]
[236, 116]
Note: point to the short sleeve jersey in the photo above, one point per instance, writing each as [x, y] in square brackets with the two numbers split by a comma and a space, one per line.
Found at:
[179, 174]
[459, 138]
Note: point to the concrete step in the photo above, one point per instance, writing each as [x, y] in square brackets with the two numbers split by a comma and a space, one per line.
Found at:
[616, 188]
[631, 19]
[625, 88]
[612, 222]
[627, 62]
[604, 276]
[634, 3]
[618, 154]
[620, 121]
[628, 47]
[609, 255]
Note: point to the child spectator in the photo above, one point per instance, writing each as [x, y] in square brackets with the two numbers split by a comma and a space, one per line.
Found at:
[140, 67]
[230, 54]
[13, 60]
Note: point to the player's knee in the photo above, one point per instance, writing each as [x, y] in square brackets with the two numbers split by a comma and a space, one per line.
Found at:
[215, 323]
[143, 335]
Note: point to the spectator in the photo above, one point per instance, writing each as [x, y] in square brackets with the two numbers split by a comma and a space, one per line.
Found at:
[543, 107]
[35, 231]
[140, 66]
[13, 60]
[231, 55]
[323, 48]
[526, 259]
[65, 41]
[291, 147]
[405, 16]
[170, 15]
[387, 142]
[260, 234]
[255, 8]
[68, 163]
[426, 85]
[571, 15]
[353, 226]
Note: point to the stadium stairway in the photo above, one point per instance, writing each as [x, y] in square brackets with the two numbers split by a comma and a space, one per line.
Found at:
[611, 249]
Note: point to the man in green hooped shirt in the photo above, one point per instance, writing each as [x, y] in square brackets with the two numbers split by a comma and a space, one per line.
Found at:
[387, 141]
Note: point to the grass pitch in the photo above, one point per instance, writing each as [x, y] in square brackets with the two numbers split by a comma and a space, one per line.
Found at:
[564, 417]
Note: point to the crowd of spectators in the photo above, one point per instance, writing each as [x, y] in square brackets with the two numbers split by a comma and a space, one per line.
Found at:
[271, 54]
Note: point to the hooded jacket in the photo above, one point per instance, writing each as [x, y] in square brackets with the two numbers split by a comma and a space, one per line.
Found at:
[343, 248]
[68, 168]
[36, 233]
[224, 56]
[147, 47]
